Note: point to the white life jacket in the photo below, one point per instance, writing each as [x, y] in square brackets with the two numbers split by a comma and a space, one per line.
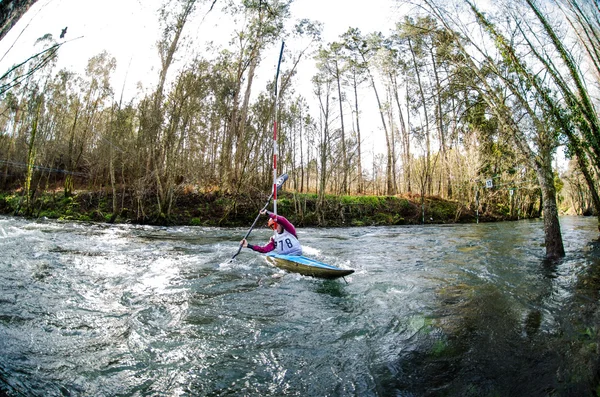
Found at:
[287, 244]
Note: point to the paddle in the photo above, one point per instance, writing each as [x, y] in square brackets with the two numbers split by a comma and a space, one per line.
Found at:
[280, 181]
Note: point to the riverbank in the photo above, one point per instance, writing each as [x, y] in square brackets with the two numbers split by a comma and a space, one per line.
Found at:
[219, 209]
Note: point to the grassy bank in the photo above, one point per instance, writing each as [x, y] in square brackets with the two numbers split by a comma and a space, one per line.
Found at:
[217, 209]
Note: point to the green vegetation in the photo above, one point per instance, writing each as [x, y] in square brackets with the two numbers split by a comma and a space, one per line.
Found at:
[217, 209]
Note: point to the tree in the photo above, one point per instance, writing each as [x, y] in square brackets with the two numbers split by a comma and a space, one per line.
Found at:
[580, 105]
[323, 90]
[95, 90]
[366, 48]
[523, 115]
[262, 24]
[416, 39]
[173, 17]
[356, 75]
[330, 65]
[10, 13]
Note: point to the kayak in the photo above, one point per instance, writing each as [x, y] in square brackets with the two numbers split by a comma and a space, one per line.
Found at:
[306, 266]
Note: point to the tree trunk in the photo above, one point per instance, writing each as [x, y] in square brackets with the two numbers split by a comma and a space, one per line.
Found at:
[358, 138]
[111, 168]
[241, 149]
[552, 233]
[445, 173]
[344, 188]
[159, 149]
[389, 182]
[11, 143]
[68, 187]
[12, 11]
[427, 133]
[404, 137]
[302, 165]
[31, 158]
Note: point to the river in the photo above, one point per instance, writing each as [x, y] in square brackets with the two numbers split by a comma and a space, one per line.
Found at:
[456, 310]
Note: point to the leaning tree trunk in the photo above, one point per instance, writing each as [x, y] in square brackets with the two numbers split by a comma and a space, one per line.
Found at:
[542, 162]
[167, 48]
[552, 233]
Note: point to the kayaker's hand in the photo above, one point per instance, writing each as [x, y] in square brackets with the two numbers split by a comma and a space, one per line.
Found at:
[244, 243]
[263, 212]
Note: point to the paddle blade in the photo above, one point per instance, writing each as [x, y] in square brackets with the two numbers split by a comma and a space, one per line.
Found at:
[281, 180]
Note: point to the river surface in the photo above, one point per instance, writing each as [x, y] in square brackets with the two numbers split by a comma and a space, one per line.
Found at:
[459, 310]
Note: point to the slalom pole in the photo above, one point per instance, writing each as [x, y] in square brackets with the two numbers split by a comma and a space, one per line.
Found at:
[275, 147]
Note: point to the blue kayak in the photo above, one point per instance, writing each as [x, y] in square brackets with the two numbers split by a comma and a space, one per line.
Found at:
[306, 266]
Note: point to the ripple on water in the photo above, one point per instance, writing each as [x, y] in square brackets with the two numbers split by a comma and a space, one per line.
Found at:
[140, 310]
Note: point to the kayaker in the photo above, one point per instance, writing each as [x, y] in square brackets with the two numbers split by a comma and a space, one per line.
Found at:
[284, 240]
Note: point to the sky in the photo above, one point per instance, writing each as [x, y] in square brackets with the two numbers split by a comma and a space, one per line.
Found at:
[128, 30]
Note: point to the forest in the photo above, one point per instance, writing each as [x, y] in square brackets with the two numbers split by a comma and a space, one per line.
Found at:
[473, 101]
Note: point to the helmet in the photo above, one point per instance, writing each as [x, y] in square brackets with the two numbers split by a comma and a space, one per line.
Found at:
[272, 224]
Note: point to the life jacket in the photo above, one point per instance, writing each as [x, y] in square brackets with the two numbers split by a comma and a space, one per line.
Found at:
[287, 244]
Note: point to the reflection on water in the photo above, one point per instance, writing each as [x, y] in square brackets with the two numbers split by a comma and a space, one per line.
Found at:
[434, 310]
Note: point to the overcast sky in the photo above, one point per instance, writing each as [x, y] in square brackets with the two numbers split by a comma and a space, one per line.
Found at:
[128, 30]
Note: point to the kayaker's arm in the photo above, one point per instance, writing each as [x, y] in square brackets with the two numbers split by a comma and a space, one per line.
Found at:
[262, 249]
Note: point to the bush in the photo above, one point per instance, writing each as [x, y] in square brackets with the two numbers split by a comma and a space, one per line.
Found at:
[50, 214]
[441, 210]
[9, 201]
